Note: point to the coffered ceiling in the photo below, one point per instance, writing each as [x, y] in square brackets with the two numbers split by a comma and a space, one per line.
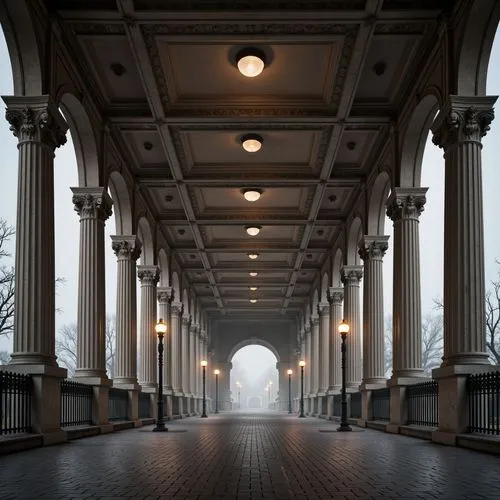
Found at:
[165, 75]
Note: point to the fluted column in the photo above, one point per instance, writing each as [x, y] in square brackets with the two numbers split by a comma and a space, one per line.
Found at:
[185, 364]
[148, 276]
[165, 296]
[127, 250]
[324, 346]
[315, 353]
[372, 250]
[93, 205]
[176, 343]
[193, 368]
[458, 129]
[404, 207]
[308, 367]
[336, 297]
[40, 129]
[351, 278]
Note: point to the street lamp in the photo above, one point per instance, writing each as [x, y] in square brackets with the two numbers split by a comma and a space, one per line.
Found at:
[289, 391]
[161, 330]
[344, 330]
[217, 373]
[302, 363]
[204, 367]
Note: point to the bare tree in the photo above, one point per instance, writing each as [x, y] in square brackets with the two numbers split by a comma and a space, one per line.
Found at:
[6, 281]
[4, 357]
[66, 346]
[492, 306]
[388, 345]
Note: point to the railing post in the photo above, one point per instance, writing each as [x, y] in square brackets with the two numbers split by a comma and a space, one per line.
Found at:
[398, 407]
[366, 407]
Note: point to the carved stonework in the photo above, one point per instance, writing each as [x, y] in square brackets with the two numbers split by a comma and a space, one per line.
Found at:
[92, 203]
[323, 308]
[314, 320]
[176, 308]
[164, 294]
[148, 276]
[463, 120]
[186, 318]
[37, 124]
[406, 203]
[336, 295]
[351, 275]
[126, 249]
[373, 247]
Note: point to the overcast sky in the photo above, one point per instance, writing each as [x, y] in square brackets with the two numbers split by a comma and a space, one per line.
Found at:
[431, 225]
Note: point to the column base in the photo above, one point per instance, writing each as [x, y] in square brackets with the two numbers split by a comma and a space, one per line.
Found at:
[467, 358]
[410, 373]
[101, 381]
[373, 384]
[126, 383]
[22, 358]
[148, 386]
[404, 381]
[95, 374]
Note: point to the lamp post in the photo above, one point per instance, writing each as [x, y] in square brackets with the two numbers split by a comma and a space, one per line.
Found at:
[161, 329]
[239, 395]
[217, 373]
[302, 364]
[344, 330]
[204, 368]
[289, 391]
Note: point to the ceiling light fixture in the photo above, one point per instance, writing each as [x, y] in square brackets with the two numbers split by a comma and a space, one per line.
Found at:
[253, 288]
[250, 62]
[253, 230]
[252, 274]
[251, 142]
[253, 256]
[253, 301]
[252, 194]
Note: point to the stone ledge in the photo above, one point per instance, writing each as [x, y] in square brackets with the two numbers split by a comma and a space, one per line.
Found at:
[82, 432]
[11, 444]
[488, 444]
[417, 431]
[377, 425]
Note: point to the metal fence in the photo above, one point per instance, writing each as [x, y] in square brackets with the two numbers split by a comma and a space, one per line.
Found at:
[15, 402]
[356, 405]
[144, 405]
[423, 403]
[76, 403]
[118, 404]
[483, 394]
[381, 404]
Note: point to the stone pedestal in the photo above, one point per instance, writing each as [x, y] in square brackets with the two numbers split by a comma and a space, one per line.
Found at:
[148, 276]
[40, 128]
[404, 207]
[127, 250]
[351, 278]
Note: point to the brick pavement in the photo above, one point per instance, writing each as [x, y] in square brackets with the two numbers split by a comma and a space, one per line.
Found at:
[250, 456]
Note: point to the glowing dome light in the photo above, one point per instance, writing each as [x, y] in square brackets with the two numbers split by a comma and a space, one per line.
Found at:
[251, 194]
[253, 288]
[250, 62]
[253, 230]
[253, 256]
[251, 142]
[253, 274]
[253, 301]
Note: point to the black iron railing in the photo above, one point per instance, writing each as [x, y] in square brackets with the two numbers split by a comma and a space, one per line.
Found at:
[144, 405]
[483, 394]
[118, 404]
[337, 405]
[15, 402]
[355, 405]
[76, 403]
[381, 404]
[423, 403]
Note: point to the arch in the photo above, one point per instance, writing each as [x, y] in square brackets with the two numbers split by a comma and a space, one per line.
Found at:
[376, 205]
[475, 47]
[336, 265]
[146, 237]
[176, 287]
[24, 50]
[252, 341]
[324, 288]
[415, 138]
[164, 268]
[121, 203]
[354, 235]
[82, 133]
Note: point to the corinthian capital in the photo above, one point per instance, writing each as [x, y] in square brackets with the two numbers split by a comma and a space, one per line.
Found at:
[351, 275]
[373, 247]
[92, 203]
[148, 275]
[336, 295]
[176, 308]
[323, 308]
[164, 294]
[463, 119]
[126, 247]
[406, 203]
[36, 119]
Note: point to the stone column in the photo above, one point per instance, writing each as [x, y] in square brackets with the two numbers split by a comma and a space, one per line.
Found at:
[193, 368]
[404, 207]
[93, 205]
[324, 346]
[176, 342]
[185, 364]
[127, 250]
[315, 368]
[336, 296]
[351, 278]
[148, 275]
[165, 296]
[372, 250]
[458, 129]
[307, 368]
[40, 128]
